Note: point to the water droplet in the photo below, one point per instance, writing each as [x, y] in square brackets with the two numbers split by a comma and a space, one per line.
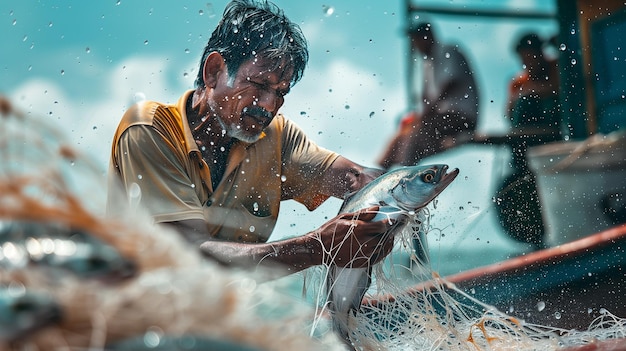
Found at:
[371, 114]
[201, 12]
[252, 229]
[562, 47]
[255, 207]
[62, 72]
[541, 306]
[557, 315]
[134, 191]
[139, 176]
[50, 24]
[186, 51]
[302, 113]
[87, 50]
[145, 42]
[328, 10]
[573, 62]
[94, 127]
[14, 22]
[283, 178]
[118, 2]
[139, 96]
[152, 339]
[25, 38]
[347, 107]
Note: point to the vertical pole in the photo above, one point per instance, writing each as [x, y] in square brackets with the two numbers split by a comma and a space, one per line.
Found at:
[410, 64]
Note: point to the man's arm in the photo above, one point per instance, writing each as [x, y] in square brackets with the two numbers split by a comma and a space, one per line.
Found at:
[345, 176]
[349, 240]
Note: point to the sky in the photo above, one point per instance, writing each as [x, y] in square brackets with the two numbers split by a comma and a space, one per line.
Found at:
[82, 63]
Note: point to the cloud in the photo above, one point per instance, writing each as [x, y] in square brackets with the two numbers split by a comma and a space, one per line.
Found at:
[346, 108]
[89, 123]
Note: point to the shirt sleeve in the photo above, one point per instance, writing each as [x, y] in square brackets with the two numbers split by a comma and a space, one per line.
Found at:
[304, 163]
[155, 175]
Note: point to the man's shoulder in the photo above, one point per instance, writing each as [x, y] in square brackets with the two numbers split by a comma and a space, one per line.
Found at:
[141, 113]
[151, 113]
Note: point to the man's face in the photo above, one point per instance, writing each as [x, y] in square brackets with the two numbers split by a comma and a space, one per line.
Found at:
[246, 103]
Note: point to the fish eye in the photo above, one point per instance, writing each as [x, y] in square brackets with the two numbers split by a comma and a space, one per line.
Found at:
[428, 177]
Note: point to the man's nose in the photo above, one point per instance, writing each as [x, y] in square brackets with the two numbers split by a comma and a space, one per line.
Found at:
[270, 100]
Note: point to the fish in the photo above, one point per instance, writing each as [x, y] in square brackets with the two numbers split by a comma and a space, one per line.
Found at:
[61, 249]
[400, 192]
[23, 312]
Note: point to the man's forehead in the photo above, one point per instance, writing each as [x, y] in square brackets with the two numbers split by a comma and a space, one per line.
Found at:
[274, 69]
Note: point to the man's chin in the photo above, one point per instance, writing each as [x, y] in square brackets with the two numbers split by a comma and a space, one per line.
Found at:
[248, 138]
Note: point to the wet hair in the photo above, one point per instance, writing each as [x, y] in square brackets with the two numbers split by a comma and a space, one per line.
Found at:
[256, 28]
[530, 41]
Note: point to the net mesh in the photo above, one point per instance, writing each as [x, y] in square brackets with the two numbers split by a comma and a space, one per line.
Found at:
[410, 307]
[176, 292]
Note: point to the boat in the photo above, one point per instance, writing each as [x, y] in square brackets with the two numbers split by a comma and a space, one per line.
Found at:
[577, 275]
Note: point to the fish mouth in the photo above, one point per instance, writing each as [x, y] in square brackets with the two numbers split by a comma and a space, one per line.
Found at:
[446, 178]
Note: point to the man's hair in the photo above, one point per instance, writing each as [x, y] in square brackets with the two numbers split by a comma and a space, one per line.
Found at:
[529, 41]
[420, 27]
[252, 28]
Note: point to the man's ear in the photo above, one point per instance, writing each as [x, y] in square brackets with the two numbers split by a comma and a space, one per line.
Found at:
[214, 65]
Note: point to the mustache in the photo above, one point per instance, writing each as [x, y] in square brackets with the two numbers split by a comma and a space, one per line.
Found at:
[257, 112]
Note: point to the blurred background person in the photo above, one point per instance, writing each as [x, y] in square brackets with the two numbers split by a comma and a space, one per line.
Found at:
[534, 113]
[446, 113]
[534, 92]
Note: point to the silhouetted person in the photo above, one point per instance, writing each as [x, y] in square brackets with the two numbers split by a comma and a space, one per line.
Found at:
[533, 109]
[448, 106]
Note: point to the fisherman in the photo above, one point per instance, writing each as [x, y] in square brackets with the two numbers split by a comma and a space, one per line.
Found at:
[216, 164]
[446, 113]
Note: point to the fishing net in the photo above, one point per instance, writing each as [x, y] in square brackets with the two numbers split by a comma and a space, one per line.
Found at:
[410, 307]
[176, 293]
[175, 298]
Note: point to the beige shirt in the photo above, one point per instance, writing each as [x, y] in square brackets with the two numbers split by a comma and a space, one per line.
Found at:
[154, 151]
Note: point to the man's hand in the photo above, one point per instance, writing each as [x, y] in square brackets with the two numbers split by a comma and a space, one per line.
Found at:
[345, 176]
[353, 240]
